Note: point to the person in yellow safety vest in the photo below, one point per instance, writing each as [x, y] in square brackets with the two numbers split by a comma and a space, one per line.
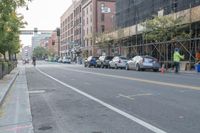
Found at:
[198, 56]
[177, 58]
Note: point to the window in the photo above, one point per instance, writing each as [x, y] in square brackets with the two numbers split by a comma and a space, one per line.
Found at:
[72, 24]
[91, 8]
[91, 29]
[71, 31]
[174, 5]
[83, 22]
[102, 28]
[102, 17]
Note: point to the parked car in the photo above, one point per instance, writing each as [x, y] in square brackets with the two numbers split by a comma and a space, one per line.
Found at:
[26, 61]
[142, 63]
[66, 59]
[90, 61]
[103, 61]
[60, 60]
[118, 62]
[55, 59]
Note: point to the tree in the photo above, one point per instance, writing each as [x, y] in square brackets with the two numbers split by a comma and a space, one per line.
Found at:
[165, 28]
[40, 52]
[10, 24]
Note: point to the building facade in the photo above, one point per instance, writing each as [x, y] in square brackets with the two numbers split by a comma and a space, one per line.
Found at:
[44, 43]
[67, 31]
[36, 39]
[77, 22]
[128, 38]
[26, 52]
[97, 17]
[131, 12]
[53, 44]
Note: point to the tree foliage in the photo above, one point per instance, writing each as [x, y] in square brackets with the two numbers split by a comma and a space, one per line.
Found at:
[10, 24]
[40, 52]
[165, 28]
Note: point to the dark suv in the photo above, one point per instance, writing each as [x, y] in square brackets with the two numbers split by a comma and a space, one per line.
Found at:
[90, 61]
[103, 61]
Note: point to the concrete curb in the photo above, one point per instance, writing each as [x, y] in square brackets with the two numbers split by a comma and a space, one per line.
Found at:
[5, 91]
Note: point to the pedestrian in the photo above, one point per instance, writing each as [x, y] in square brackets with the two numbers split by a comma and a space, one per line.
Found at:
[198, 56]
[34, 61]
[177, 58]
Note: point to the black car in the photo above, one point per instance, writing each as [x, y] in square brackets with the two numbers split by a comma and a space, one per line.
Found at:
[103, 61]
[90, 61]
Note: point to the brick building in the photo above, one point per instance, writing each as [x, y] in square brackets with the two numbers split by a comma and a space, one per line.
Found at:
[53, 44]
[66, 31]
[97, 16]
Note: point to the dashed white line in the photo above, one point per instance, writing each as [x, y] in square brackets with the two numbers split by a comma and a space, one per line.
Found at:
[131, 117]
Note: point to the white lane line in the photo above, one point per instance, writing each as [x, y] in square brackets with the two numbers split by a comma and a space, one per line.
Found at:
[132, 97]
[140, 80]
[124, 96]
[36, 91]
[142, 94]
[133, 118]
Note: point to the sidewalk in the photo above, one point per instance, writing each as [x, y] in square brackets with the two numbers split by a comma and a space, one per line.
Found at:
[6, 83]
[15, 114]
[181, 71]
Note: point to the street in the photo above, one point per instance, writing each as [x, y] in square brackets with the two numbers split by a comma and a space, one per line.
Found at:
[68, 98]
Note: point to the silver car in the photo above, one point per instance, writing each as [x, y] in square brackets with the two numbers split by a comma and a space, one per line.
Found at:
[142, 63]
[118, 62]
[66, 60]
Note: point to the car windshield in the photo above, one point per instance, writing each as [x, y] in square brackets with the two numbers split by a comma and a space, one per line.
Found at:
[109, 57]
[123, 58]
[95, 58]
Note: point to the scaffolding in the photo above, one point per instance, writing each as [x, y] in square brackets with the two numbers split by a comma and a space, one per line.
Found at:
[133, 43]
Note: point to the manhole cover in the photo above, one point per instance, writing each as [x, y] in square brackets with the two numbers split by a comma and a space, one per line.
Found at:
[45, 128]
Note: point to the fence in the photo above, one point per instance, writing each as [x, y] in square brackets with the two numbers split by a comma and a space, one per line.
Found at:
[6, 68]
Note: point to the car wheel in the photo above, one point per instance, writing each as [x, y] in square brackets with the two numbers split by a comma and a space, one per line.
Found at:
[101, 65]
[127, 67]
[155, 70]
[116, 66]
[137, 67]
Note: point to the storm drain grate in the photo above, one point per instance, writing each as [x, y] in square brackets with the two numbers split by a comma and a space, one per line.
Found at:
[45, 128]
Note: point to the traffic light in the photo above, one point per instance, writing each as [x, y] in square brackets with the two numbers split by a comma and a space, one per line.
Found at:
[58, 31]
[35, 30]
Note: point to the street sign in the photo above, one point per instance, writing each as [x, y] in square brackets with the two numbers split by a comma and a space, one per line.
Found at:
[26, 32]
[31, 32]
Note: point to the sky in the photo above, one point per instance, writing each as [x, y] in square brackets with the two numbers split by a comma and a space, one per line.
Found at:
[43, 14]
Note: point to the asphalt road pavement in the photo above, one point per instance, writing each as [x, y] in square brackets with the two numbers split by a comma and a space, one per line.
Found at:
[68, 98]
